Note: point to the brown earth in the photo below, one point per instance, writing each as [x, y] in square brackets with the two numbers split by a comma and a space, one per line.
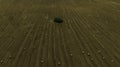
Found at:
[88, 37]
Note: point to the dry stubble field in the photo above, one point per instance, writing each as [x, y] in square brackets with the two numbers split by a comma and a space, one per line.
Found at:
[89, 36]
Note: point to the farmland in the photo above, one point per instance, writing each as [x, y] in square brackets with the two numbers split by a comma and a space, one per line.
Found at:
[88, 37]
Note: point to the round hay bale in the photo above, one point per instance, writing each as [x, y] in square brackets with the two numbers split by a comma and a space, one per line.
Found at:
[58, 20]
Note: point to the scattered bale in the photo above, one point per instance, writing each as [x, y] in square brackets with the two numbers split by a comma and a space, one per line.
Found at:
[91, 59]
[24, 48]
[83, 52]
[112, 60]
[59, 63]
[71, 55]
[103, 58]
[99, 51]
[88, 54]
[42, 61]
[1, 61]
[58, 20]
[10, 57]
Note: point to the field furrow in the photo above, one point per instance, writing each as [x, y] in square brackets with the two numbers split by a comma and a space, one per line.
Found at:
[87, 37]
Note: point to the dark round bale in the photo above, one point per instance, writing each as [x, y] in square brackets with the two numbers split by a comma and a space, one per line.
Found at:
[58, 20]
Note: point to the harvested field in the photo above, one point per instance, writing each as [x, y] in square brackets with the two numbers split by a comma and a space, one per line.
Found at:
[88, 37]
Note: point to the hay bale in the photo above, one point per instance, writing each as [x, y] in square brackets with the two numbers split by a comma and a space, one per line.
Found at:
[58, 20]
